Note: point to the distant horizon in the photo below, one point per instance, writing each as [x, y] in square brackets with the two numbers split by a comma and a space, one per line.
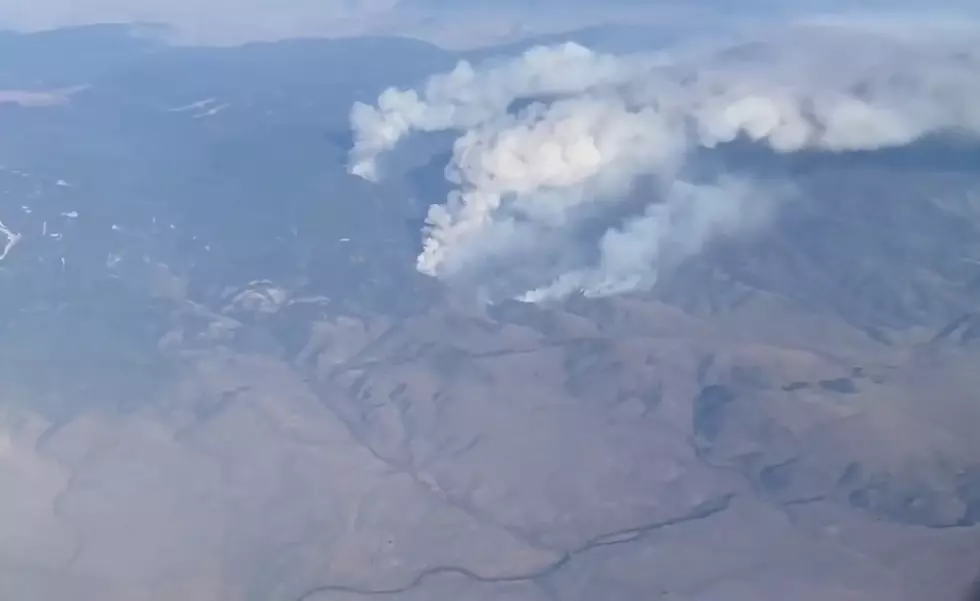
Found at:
[473, 26]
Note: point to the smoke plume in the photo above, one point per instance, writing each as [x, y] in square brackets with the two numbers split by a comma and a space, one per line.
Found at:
[572, 170]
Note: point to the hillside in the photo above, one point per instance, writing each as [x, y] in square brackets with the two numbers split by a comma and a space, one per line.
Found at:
[222, 377]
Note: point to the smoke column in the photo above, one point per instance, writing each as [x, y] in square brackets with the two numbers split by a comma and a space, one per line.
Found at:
[531, 183]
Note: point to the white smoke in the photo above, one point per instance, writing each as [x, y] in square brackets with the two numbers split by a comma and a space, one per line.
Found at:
[527, 182]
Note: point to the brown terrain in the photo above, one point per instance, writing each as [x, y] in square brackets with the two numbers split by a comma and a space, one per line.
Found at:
[792, 415]
[618, 449]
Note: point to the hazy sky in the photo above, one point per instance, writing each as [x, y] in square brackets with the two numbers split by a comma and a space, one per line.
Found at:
[202, 19]
[236, 20]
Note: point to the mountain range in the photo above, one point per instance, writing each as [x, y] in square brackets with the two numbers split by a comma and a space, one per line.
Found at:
[223, 378]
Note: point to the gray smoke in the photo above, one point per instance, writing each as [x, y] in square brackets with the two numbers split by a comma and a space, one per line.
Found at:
[526, 181]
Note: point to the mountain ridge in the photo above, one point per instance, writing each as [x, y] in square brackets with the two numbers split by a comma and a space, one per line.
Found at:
[224, 378]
